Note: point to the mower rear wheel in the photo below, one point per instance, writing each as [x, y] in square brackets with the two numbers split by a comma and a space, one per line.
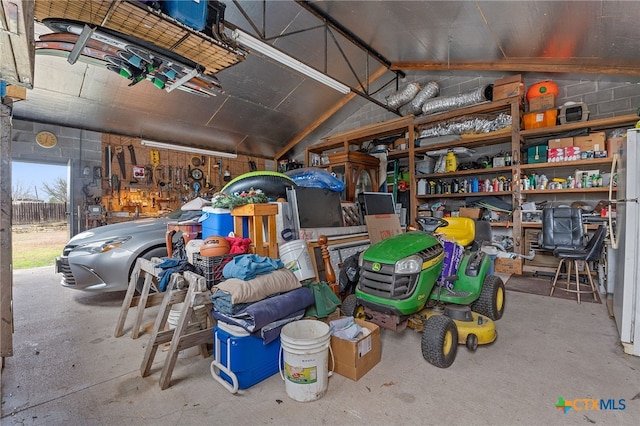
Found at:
[350, 307]
[440, 341]
[492, 298]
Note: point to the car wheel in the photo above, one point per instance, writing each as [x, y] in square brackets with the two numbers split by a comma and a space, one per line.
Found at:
[155, 252]
[492, 298]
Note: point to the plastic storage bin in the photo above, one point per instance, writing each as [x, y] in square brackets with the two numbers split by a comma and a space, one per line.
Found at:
[192, 13]
[536, 120]
[211, 267]
[240, 359]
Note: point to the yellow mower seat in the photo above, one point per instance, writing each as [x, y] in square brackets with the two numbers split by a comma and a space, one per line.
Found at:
[461, 230]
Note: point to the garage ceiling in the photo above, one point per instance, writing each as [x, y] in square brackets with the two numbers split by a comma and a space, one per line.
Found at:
[267, 108]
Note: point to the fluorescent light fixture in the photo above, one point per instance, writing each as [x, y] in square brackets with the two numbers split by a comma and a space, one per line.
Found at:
[80, 44]
[188, 76]
[154, 144]
[273, 53]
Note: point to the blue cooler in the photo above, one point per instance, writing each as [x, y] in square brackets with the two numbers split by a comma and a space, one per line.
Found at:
[241, 360]
[192, 13]
[216, 221]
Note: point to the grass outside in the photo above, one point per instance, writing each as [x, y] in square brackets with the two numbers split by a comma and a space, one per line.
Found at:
[35, 246]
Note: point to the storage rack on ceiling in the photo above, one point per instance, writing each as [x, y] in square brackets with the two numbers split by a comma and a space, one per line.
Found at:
[138, 20]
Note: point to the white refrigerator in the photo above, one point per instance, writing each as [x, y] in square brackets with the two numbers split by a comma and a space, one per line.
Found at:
[625, 243]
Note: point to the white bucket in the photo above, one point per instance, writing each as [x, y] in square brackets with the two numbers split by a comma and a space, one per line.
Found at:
[305, 345]
[295, 257]
[173, 319]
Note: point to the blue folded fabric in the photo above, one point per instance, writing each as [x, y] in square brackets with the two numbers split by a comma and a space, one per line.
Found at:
[248, 266]
[259, 314]
[222, 303]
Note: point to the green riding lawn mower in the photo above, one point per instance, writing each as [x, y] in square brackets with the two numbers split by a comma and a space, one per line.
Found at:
[402, 284]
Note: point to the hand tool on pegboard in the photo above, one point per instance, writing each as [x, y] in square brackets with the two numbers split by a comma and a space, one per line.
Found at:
[132, 154]
[116, 186]
[108, 157]
[252, 165]
[120, 157]
[207, 182]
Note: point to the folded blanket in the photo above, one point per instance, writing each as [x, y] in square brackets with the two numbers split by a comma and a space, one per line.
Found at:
[239, 291]
[271, 331]
[258, 315]
[248, 266]
[223, 304]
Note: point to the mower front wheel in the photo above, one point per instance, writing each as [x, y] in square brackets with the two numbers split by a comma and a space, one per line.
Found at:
[492, 298]
[472, 342]
[350, 307]
[440, 341]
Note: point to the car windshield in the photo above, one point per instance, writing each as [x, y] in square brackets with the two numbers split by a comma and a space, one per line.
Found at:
[181, 215]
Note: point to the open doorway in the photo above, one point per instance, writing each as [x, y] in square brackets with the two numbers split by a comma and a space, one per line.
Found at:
[40, 223]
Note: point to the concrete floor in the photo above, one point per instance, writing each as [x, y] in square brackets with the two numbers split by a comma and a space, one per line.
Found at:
[68, 368]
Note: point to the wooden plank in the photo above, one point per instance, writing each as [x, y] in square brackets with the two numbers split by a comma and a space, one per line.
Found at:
[577, 66]
[17, 52]
[6, 274]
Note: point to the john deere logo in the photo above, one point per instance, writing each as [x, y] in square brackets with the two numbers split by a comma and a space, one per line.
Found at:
[376, 267]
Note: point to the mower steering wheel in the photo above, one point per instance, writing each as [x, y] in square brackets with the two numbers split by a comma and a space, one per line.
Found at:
[430, 223]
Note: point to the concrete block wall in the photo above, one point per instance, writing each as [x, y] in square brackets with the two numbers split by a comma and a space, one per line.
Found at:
[603, 98]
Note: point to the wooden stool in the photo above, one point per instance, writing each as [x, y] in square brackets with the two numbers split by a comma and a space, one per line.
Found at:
[189, 231]
[151, 275]
[185, 334]
[256, 214]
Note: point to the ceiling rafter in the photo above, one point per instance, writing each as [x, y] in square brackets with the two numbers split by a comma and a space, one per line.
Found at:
[525, 65]
[330, 25]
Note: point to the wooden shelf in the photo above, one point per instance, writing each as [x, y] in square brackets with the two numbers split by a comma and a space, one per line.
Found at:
[483, 108]
[568, 191]
[603, 123]
[469, 142]
[492, 170]
[578, 163]
[464, 194]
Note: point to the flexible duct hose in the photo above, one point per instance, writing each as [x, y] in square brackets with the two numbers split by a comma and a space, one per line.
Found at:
[430, 90]
[403, 97]
[484, 93]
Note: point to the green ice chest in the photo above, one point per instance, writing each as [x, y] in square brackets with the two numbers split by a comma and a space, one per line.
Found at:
[537, 154]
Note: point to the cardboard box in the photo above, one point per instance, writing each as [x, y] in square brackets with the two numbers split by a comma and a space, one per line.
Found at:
[542, 103]
[17, 93]
[537, 154]
[589, 173]
[473, 213]
[536, 120]
[382, 226]
[560, 142]
[531, 216]
[509, 90]
[592, 142]
[615, 144]
[355, 359]
[516, 78]
[498, 162]
[555, 155]
[572, 153]
[508, 266]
